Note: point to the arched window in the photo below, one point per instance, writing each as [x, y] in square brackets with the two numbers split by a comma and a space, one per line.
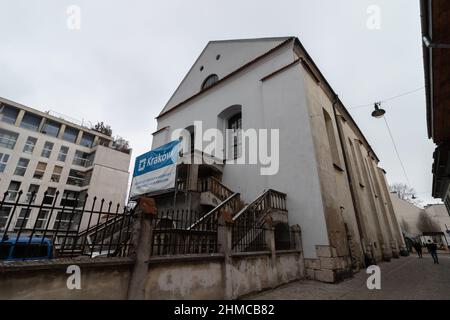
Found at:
[331, 138]
[235, 125]
[209, 81]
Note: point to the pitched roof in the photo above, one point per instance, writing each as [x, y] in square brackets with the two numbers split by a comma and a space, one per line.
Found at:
[277, 43]
[233, 55]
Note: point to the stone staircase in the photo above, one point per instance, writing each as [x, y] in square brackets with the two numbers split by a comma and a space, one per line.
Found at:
[249, 219]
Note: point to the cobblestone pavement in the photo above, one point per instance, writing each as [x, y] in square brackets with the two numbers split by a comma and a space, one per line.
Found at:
[404, 278]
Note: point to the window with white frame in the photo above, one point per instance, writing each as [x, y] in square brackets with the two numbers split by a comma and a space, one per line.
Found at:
[70, 134]
[32, 193]
[40, 170]
[8, 139]
[87, 140]
[49, 196]
[8, 114]
[51, 128]
[62, 155]
[67, 220]
[235, 127]
[41, 220]
[4, 215]
[79, 178]
[47, 151]
[29, 145]
[13, 190]
[31, 121]
[22, 166]
[22, 219]
[83, 159]
[3, 161]
[56, 175]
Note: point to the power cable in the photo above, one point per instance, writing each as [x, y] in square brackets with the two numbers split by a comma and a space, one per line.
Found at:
[396, 151]
[388, 99]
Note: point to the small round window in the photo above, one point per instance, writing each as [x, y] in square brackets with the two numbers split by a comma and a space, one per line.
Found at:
[209, 81]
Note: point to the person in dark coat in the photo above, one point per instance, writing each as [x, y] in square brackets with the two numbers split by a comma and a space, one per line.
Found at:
[432, 249]
[418, 247]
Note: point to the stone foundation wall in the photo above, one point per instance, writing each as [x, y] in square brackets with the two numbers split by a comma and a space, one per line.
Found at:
[328, 267]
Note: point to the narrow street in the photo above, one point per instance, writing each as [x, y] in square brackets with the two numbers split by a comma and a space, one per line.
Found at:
[404, 278]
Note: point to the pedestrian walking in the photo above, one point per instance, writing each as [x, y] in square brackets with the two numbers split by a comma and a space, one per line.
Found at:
[432, 249]
[418, 248]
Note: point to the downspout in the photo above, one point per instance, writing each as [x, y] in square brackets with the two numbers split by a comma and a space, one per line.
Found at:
[368, 259]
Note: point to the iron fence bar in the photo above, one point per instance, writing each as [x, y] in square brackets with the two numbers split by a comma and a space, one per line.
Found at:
[69, 224]
[61, 213]
[1, 207]
[37, 217]
[11, 215]
[105, 228]
[79, 226]
[50, 217]
[96, 228]
[24, 220]
[35, 222]
[128, 234]
[114, 228]
[89, 223]
[121, 228]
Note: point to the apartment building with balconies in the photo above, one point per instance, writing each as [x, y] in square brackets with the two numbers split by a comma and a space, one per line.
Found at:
[43, 155]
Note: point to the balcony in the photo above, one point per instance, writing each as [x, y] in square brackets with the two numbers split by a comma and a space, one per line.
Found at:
[82, 162]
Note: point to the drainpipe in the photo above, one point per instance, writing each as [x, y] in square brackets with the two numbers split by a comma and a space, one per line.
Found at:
[368, 259]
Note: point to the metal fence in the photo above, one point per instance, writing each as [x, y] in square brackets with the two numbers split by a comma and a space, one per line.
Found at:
[248, 238]
[68, 226]
[184, 232]
[74, 225]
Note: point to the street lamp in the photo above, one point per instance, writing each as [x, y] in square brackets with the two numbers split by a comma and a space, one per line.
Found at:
[379, 112]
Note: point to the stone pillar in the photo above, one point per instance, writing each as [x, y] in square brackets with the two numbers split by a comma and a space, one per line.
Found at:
[224, 233]
[61, 131]
[192, 177]
[296, 230]
[141, 239]
[80, 134]
[19, 118]
[270, 241]
[41, 125]
[297, 237]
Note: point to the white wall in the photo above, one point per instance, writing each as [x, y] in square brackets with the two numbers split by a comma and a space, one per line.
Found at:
[278, 103]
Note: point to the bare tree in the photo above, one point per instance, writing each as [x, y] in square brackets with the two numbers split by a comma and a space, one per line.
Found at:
[405, 192]
[426, 224]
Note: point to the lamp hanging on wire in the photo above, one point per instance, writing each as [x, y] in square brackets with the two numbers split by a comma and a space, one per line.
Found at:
[378, 112]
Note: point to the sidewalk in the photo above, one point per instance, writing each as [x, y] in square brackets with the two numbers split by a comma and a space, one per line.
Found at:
[404, 278]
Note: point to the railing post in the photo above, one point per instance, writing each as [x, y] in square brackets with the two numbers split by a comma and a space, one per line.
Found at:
[270, 242]
[141, 239]
[297, 237]
[224, 238]
[192, 177]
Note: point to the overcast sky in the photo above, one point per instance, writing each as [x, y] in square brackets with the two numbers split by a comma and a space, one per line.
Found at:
[124, 63]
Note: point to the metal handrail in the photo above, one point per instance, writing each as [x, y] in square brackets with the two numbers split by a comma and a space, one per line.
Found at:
[210, 213]
[257, 201]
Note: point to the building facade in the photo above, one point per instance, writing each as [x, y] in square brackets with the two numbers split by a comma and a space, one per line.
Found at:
[432, 220]
[334, 188]
[43, 153]
[436, 62]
